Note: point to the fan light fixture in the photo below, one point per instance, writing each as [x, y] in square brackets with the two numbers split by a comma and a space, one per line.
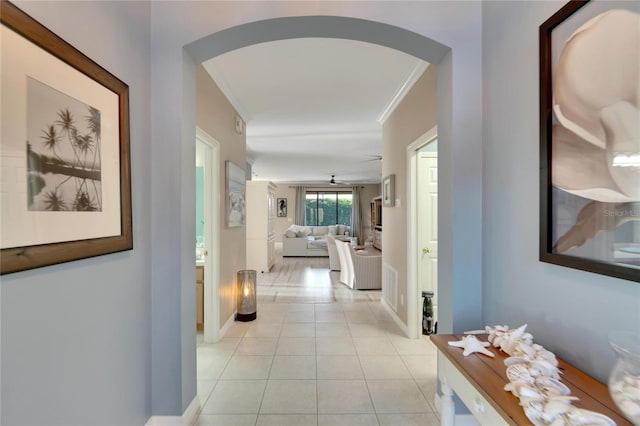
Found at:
[333, 180]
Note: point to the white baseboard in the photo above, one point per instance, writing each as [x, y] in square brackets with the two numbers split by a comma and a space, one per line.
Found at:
[395, 317]
[227, 325]
[186, 419]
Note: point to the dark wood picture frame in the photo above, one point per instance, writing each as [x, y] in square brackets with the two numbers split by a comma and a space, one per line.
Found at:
[14, 259]
[549, 251]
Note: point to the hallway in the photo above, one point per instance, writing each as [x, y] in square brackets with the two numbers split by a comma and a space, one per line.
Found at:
[319, 354]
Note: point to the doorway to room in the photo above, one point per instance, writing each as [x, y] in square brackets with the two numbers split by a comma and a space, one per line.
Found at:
[207, 236]
[422, 249]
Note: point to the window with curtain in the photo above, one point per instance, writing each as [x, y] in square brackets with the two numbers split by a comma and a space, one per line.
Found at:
[328, 208]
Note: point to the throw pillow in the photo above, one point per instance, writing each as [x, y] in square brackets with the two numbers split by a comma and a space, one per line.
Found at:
[289, 233]
[333, 229]
[304, 232]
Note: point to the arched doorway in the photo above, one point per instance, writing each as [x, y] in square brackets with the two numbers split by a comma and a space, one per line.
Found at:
[455, 247]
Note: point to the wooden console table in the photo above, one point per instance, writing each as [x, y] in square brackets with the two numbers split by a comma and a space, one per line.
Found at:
[479, 382]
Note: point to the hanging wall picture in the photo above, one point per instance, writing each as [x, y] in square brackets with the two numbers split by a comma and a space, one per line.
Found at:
[235, 194]
[64, 150]
[282, 207]
[590, 138]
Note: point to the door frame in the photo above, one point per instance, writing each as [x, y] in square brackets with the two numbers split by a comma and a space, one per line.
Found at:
[414, 301]
[211, 328]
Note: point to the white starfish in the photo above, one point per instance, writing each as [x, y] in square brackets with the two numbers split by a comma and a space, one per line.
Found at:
[471, 344]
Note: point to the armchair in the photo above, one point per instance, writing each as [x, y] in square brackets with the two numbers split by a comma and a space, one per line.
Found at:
[334, 260]
[346, 265]
[367, 268]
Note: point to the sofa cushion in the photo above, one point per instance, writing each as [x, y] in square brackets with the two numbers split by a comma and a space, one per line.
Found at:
[290, 234]
[333, 230]
[342, 229]
[320, 230]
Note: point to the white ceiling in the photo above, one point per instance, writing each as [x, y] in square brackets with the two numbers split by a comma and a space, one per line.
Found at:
[313, 107]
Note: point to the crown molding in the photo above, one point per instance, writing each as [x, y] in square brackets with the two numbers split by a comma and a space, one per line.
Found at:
[402, 91]
[226, 90]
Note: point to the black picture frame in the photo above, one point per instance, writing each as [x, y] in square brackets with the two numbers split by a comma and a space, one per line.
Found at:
[577, 226]
[282, 207]
[22, 253]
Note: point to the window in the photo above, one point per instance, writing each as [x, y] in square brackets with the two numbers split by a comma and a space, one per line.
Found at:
[328, 208]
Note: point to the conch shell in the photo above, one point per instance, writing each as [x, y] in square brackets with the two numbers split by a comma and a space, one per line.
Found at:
[598, 113]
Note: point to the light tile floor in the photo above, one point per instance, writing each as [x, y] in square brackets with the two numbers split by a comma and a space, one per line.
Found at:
[319, 354]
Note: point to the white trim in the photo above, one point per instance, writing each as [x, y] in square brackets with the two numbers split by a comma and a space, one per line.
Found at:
[419, 68]
[186, 419]
[227, 325]
[395, 317]
[413, 298]
[226, 90]
[212, 238]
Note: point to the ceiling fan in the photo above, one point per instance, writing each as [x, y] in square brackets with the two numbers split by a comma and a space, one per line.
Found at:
[334, 182]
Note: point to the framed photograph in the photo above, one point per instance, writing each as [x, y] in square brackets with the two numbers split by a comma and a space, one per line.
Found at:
[64, 150]
[590, 138]
[282, 207]
[389, 191]
[235, 194]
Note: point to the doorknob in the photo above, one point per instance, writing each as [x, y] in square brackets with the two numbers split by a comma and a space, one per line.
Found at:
[426, 250]
[206, 253]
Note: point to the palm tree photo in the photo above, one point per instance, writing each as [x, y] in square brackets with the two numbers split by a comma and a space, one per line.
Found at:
[63, 152]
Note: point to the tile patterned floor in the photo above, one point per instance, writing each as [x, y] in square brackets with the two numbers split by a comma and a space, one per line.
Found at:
[319, 354]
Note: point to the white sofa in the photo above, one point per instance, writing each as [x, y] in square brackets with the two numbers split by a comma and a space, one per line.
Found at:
[308, 241]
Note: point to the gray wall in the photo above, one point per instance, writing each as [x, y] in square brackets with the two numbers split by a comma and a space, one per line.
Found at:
[569, 312]
[76, 337]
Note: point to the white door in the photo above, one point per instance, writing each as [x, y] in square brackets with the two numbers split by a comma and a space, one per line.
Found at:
[428, 225]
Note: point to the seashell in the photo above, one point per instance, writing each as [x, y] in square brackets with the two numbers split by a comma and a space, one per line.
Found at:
[582, 417]
[552, 385]
[555, 408]
[559, 421]
[471, 345]
[528, 393]
[545, 355]
[513, 360]
[519, 373]
[476, 332]
[528, 350]
[543, 368]
[518, 332]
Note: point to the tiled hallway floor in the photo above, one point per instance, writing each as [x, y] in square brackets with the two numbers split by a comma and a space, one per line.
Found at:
[318, 354]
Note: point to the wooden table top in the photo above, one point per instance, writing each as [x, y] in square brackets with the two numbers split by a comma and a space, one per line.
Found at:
[488, 376]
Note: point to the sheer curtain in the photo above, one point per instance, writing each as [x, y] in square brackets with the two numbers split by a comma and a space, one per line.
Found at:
[301, 196]
[356, 213]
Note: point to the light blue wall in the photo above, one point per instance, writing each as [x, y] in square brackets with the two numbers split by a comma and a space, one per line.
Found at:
[76, 337]
[568, 311]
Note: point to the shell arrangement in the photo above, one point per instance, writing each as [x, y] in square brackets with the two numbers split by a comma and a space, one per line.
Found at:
[535, 379]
